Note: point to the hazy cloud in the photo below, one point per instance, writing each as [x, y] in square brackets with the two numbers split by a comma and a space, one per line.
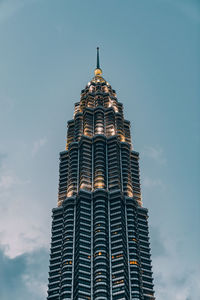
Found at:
[24, 277]
[173, 278]
[19, 231]
[6, 181]
[157, 245]
[156, 153]
[38, 144]
[9, 8]
[152, 182]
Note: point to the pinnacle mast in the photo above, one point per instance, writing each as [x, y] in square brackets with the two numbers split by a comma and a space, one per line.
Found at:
[98, 71]
[98, 64]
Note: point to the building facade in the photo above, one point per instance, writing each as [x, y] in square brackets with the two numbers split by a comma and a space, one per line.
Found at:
[100, 244]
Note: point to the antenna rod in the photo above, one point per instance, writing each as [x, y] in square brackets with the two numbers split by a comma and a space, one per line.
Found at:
[98, 64]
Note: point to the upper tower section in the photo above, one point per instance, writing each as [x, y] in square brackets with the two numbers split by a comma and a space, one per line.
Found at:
[98, 112]
[99, 153]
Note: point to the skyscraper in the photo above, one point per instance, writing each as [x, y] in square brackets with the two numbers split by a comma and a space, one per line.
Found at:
[100, 246]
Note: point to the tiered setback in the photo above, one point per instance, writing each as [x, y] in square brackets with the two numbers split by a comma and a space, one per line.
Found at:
[99, 152]
[100, 245]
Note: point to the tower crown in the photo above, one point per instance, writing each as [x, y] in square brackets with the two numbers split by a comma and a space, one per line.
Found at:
[98, 71]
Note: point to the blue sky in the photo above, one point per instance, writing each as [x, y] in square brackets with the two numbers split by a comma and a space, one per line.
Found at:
[149, 52]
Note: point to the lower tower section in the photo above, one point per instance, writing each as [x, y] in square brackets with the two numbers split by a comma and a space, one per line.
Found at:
[100, 249]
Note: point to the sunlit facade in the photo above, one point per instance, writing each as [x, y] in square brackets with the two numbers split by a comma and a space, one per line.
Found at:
[100, 245]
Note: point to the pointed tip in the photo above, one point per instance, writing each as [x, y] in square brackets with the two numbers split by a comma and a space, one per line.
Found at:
[98, 71]
[98, 64]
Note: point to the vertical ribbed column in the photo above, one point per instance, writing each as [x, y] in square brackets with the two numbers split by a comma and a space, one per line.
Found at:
[127, 132]
[120, 127]
[99, 162]
[67, 258]
[120, 276]
[82, 102]
[126, 169]
[88, 123]
[144, 254]
[85, 164]
[90, 101]
[73, 170]
[63, 177]
[56, 254]
[135, 172]
[134, 250]
[113, 157]
[110, 123]
[106, 100]
[70, 133]
[78, 128]
[114, 104]
[76, 108]
[100, 246]
[99, 121]
[120, 108]
[82, 268]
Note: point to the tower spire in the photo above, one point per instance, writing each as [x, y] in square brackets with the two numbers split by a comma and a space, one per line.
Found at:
[98, 71]
[98, 64]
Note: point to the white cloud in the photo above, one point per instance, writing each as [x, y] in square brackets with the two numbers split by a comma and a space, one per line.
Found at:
[20, 230]
[6, 181]
[36, 286]
[37, 145]
[175, 277]
[156, 153]
[26, 274]
[35, 276]
[172, 281]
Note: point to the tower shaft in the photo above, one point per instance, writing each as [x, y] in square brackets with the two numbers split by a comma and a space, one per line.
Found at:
[100, 244]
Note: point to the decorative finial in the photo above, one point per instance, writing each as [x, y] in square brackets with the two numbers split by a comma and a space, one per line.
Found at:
[98, 71]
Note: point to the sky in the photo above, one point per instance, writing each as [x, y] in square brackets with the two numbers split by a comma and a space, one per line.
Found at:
[149, 53]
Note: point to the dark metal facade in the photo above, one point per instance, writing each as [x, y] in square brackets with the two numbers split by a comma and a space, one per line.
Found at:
[100, 244]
